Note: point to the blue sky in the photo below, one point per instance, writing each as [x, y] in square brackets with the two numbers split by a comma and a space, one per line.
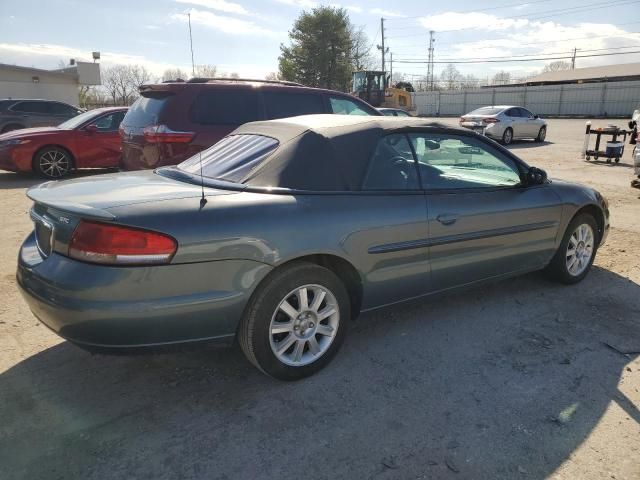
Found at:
[244, 35]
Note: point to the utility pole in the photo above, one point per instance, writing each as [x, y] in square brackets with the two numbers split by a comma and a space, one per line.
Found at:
[391, 68]
[573, 59]
[430, 61]
[381, 47]
[193, 65]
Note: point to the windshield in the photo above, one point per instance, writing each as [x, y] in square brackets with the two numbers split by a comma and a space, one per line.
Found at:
[486, 111]
[79, 120]
[232, 158]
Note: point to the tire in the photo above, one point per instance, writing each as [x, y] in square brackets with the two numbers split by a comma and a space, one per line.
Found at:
[542, 134]
[52, 163]
[507, 136]
[266, 326]
[11, 127]
[558, 269]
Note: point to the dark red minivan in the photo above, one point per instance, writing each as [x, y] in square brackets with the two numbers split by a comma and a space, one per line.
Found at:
[172, 121]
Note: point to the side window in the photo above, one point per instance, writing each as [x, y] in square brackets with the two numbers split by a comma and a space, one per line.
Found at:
[285, 104]
[524, 113]
[62, 109]
[459, 162]
[344, 106]
[402, 113]
[110, 123]
[512, 112]
[31, 107]
[225, 107]
[392, 166]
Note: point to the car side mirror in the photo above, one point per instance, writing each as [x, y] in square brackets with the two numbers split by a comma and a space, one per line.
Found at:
[536, 116]
[93, 128]
[536, 176]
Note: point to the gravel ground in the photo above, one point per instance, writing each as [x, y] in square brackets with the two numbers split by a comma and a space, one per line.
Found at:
[520, 379]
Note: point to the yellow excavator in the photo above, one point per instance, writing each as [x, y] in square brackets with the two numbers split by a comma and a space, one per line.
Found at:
[371, 86]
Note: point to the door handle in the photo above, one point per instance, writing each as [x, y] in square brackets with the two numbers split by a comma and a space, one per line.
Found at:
[447, 219]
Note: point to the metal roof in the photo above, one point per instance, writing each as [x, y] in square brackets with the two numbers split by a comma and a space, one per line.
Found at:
[37, 71]
[605, 72]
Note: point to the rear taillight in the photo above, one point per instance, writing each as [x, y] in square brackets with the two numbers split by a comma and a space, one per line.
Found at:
[163, 134]
[490, 120]
[118, 245]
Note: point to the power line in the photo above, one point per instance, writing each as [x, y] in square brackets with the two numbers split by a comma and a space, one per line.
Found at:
[531, 54]
[549, 13]
[518, 59]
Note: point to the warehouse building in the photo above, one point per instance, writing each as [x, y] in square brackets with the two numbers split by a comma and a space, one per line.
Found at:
[607, 73]
[62, 85]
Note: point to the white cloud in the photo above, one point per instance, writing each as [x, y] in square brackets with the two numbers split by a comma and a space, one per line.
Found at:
[48, 55]
[348, 8]
[230, 25]
[385, 13]
[299, 3]
[472, 20]
[220, 5]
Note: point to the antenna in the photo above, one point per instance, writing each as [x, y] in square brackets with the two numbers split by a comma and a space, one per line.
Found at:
[203, 200]
[193, 65]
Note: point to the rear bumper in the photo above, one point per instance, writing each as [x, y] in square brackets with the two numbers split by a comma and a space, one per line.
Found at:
[493, 130]
[124, 308]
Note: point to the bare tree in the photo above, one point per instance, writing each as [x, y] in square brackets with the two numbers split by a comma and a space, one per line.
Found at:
[501, 78]
[556, 66]
[450, 77]
[206, 71]
[361, 58]
[469, 81]
[174, 74]
[138, 76]
[121, 82]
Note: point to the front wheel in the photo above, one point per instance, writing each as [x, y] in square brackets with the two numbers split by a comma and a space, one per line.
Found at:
[576, 253]
[542, 134]
[507, 136]
[295, 322]
[52, 163]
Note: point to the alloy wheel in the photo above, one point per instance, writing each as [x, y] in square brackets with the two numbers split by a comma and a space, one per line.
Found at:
[304, 325]
[54, 163]
[580, 249]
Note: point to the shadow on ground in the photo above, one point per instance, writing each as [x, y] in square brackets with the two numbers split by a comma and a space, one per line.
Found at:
[495, 382]
[519, 144]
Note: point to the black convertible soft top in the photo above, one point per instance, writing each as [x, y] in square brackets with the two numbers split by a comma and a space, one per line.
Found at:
[322, 152]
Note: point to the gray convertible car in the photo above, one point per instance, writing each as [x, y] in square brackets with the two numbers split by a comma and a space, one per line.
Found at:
[284, 231]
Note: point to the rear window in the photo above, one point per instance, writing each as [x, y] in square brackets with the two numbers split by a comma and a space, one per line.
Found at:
[145, 111]
[62, 109]
[486, 111]
[225, 107]
[232, 158]
[286, 104]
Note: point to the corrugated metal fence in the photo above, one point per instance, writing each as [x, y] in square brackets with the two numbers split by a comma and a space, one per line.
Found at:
[587, 99]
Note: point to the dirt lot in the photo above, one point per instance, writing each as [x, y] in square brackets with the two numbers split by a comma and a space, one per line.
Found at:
[513, 380]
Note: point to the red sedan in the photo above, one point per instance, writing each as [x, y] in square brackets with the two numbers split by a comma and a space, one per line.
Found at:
[90, 140]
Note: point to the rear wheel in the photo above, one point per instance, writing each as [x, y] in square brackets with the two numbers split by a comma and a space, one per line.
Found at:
[52, 163]
[507, 136]
[576, 253]
[295, 322]
[542, 134]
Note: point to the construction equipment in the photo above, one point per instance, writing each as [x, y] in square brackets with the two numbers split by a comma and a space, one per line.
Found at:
[371, 86]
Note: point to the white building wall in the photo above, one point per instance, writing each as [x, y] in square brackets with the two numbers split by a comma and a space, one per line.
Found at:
[19, 84]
